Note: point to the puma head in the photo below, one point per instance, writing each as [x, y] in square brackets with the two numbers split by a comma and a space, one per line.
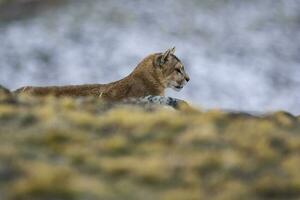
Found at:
[172, 69]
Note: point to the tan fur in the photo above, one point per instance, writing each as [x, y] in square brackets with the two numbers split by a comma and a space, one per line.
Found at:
[152, 76]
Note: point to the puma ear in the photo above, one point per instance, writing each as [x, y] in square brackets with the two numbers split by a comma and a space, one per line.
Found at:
[165, 55]
[173, 50]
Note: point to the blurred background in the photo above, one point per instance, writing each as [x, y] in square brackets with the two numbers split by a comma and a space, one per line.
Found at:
[241, 55]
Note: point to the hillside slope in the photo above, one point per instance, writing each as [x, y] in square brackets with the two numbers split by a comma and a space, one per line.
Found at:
[85, 149]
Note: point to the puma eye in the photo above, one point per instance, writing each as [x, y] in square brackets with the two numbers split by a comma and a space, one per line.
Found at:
[178, 70]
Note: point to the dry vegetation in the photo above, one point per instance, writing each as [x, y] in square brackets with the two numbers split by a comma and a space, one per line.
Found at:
[52, 149]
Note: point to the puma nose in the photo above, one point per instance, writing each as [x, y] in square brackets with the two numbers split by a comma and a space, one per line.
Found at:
[187, 79]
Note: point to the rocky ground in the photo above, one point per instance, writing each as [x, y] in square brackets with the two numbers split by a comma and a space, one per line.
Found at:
[85, 149]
